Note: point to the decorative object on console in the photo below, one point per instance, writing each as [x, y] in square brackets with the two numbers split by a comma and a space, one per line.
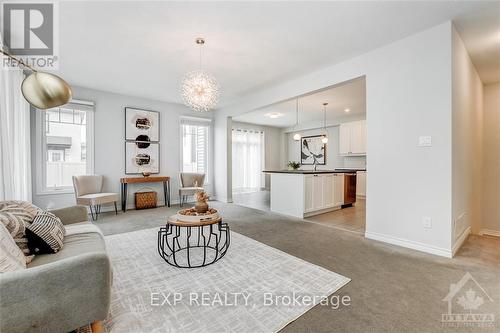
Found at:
[199, 89]
[142, 160]
[43, 90]
[45, 234]
[142, 125]
[292, 165]
[146, 174]
[313, 151]
[201, 205]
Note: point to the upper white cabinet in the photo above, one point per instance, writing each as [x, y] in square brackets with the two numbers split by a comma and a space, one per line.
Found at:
[352, 138]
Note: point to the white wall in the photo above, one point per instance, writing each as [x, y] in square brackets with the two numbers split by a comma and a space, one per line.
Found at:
[274, 154]
[491, 160]
[408, 86]
[467, 123]
[109, 134]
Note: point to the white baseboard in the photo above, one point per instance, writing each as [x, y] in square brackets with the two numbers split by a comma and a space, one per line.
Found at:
[460, 240]
[489, 232]
[361, 196]
[409, 244]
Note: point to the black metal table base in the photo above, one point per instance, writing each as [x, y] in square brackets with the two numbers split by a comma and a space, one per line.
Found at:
[192, 247]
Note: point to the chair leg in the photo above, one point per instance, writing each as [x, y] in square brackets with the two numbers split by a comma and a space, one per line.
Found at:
[92, 213]
[181, 197]
[116, 209]
[97, 327]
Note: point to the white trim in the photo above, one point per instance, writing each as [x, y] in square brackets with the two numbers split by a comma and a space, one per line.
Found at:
[409, 244]
[489, 232]
[40, 152]
[196, 119]
[460, 240]
[81, 102]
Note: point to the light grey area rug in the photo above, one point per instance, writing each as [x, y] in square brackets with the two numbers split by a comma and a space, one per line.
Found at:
[254, 288]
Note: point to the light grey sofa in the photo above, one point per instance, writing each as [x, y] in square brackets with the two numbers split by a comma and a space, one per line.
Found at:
[63, 291]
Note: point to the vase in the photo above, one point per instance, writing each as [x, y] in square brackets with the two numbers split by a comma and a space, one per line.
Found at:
[201, 207]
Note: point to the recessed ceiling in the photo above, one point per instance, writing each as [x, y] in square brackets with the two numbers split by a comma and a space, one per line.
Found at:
[349, 95]
[144, 48]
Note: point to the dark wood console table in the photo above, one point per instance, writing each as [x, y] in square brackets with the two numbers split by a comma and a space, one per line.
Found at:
[139, 180]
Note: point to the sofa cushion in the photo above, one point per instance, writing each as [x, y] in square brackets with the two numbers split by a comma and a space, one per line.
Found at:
[11, 256]
[45, 234]
[15, 216]
[74, 245]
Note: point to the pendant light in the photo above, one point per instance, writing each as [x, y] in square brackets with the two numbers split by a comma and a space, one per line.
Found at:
[324, 138]
[297, 136]
[199, 89]
[43, 90]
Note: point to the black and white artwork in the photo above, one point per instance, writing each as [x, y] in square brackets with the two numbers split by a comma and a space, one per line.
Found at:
[142, 125]
[142, 156]
[312, 151]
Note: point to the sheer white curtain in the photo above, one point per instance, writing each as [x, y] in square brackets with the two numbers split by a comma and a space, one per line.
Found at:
[15, 165]
[248, 159]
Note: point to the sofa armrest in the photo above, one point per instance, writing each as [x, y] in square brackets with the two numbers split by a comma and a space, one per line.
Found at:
[56, 297]
[73, 214]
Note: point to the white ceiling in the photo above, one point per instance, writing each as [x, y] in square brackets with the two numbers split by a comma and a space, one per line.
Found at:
[350, 95]
[143, 48]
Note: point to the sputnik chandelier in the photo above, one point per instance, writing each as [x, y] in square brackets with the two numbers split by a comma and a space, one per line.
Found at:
[199, 89]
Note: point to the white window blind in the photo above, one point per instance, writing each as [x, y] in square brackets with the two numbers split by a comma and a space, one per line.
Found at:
[195, 138]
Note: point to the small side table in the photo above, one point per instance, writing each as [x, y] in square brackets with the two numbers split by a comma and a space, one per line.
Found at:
[138, 180]
[193, 244]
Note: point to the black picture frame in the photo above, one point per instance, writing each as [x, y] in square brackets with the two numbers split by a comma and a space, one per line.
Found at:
[306, 154]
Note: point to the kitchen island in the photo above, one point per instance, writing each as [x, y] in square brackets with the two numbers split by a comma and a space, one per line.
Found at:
[303, 193]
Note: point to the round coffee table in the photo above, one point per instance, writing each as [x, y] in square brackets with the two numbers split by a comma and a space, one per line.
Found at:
[193, 244]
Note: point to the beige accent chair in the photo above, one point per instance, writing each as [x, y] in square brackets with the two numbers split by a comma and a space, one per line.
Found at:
[190, 183]
[88, 192]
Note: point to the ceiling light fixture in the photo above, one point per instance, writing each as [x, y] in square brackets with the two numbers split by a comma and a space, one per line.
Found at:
[347, 110]
[199, 89]
[297, 136]
[42, 90]
[324, 138]
[274, 115]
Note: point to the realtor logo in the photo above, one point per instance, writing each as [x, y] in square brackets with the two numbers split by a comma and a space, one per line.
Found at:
[29, 31]
[465, 299]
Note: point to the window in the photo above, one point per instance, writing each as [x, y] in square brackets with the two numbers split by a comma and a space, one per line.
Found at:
[66, 136]
[195, 136]
[248, 160]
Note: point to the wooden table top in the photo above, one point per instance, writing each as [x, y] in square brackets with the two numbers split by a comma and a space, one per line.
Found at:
[150, 179]
[174, 221]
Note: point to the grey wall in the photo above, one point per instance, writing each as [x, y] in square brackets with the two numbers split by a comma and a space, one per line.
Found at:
[109, 151]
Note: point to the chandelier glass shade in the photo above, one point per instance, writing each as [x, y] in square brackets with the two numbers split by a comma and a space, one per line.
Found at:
[200, 91]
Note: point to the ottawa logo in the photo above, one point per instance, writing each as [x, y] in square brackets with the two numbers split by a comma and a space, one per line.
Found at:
[466, 301]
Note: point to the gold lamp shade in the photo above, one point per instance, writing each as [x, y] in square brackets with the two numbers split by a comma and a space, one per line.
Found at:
[45, 91]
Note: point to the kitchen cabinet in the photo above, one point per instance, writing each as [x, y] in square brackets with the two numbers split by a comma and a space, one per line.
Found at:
[361, 184]
[306, 194]
[352, 138]
[338, 187]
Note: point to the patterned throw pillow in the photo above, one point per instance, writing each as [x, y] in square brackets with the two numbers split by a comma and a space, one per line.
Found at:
[11, 256]
[45, 234]
[15, 216]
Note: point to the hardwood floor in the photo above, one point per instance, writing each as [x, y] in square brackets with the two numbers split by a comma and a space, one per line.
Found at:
[351, 219]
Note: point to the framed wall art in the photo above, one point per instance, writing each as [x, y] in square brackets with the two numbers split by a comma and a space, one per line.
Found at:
[142, 125]
[312, 150]
[142, 156]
